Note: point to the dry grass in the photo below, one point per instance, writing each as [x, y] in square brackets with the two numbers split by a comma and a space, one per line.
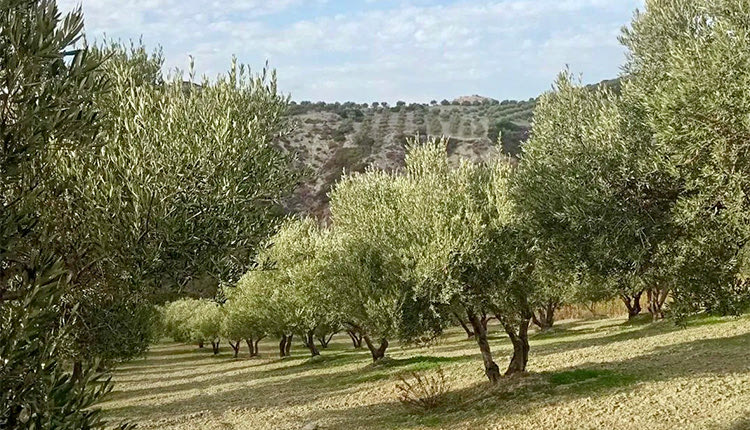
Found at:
[600, 374]
[611, 308]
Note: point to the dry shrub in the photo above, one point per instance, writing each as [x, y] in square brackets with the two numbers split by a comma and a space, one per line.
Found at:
[422, 390]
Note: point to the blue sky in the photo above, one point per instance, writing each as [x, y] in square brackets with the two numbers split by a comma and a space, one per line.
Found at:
[380, 50]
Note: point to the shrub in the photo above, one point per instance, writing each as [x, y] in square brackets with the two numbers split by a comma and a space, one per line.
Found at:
[422, 391]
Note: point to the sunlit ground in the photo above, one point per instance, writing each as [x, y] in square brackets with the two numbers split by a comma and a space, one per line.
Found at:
[597, 374]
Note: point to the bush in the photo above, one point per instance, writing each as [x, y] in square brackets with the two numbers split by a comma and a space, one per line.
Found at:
[423, 391]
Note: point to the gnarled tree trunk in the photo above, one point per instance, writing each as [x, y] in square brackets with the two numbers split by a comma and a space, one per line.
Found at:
[289, 344]
[656, 298]
[633, 303]
[310, 343]
[544, 316]
[215, 346]
[469, 333]
[356, 338]
[485, 321]
[379, 352]
[200, 344]
[480, 334]
[235, 347]
[519, 337]
[283, 346]
[324, 341]
[257, 351]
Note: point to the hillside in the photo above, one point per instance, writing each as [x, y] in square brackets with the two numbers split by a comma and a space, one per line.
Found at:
[330, 138]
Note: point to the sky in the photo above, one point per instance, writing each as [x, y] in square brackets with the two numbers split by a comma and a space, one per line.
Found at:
[379, 50]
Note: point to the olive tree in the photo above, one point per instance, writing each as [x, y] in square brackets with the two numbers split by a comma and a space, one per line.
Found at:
[592, 188]
[208, 322]
[556, 286]
[441, 238]
[490, 265]
[364, 253]
[294, 254]
[688, 64]
[271, 307]
[179, 321]
[195, 320]
[185, 186]
[243, 320]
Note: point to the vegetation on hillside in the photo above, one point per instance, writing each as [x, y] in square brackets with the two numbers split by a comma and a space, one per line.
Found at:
[119, 189]
[332, 138]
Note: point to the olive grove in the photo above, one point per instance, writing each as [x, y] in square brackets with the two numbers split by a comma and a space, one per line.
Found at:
[135, 204]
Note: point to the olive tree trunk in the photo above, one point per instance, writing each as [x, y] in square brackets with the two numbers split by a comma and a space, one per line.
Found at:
[519, 337]
[283, 346]
[379, 352]
[215, 346]
[656, 298]
[356, 338]
[469, 332]
[633, 303]
[288, 347]
[310, 343]
[235, 347]
[480, 334]
[324, 341]
[544, 316]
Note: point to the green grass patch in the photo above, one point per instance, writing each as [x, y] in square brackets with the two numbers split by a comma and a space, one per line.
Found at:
[703, 320]
[578, 375]
[419, 363]
[584, 381]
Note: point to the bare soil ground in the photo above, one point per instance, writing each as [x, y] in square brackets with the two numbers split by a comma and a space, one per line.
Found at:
[595, 374]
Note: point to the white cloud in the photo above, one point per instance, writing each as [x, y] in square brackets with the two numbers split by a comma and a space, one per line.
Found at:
[388, 50]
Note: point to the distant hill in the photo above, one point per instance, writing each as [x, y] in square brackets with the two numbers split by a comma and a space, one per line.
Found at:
[329, 138]
[473, 100]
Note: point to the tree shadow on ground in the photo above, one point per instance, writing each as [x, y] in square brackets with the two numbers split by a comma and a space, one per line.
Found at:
[624, 333]
[522, 395]
[214, 374]
[219, 394]
[558, 341]
[258, 389]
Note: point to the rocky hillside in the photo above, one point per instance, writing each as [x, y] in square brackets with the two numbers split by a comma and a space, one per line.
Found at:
[329, 139]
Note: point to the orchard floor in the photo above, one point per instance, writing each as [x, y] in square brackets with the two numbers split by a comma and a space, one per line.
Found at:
[594, 374]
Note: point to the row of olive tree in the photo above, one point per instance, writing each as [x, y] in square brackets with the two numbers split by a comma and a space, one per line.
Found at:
[403, 254]
[185, 185]
[45, 105]
[119, 188]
